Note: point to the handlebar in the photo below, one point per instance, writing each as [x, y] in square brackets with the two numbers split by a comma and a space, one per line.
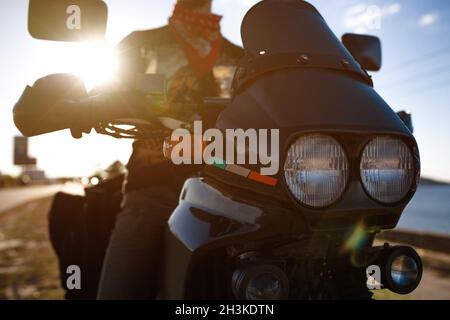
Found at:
[60, 101]
[35, 114]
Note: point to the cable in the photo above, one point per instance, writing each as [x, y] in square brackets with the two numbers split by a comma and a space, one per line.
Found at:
[429, 55]
[418, 77]
[426, 90]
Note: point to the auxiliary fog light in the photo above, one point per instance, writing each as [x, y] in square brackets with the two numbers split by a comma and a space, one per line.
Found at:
[403, 270]
[400, 267]
[260, 282]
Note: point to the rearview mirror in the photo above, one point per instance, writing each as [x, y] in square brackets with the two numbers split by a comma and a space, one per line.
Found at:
[365, 49]
[406, 117]
[67, 20]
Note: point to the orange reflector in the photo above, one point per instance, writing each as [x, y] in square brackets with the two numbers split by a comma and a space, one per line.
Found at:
[263, 179]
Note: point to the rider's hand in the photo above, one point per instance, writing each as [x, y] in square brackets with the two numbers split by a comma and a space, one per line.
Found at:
[106, 103]
[83, 110]
[77, 133]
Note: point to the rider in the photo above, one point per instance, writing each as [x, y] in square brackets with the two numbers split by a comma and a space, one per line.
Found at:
[197, 62]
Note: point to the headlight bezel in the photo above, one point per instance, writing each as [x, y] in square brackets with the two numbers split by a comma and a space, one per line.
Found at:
[353, 144]
[348, 177]
[415, 163]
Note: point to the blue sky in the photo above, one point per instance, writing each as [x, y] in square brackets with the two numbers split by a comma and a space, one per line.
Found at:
[415, 73]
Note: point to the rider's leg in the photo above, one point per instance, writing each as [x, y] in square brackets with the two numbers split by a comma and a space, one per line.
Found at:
[133, 259]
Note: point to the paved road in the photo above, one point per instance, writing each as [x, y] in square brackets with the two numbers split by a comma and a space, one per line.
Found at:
[12, 197]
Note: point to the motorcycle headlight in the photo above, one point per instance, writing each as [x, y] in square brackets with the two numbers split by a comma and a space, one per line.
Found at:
[260, 282]
[399, 268]
[387, 169]
[402, 269]
[316, 170]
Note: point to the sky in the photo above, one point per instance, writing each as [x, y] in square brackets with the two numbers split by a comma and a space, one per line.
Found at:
[415, 75]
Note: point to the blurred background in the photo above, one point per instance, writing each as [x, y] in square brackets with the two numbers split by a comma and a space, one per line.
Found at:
[415, 76]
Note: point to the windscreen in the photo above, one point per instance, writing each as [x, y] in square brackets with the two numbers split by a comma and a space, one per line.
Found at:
[289, 26]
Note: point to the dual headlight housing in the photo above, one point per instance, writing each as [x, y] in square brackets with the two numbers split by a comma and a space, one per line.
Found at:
[317, 169]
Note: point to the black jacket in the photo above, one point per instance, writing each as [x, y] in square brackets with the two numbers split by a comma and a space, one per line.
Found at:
[157, 51]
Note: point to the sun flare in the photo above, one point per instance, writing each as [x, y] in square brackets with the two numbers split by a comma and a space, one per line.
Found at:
[95, 63]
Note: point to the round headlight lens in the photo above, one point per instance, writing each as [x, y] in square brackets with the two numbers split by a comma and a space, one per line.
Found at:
[264, 287]
[401, 269]
[260, 282]
[316, 170]
[387, 169]
[404, 271]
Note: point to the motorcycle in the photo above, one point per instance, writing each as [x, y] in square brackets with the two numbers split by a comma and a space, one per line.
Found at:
[350, 165]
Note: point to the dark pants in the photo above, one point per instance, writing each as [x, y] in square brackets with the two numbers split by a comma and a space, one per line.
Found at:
[134, 258]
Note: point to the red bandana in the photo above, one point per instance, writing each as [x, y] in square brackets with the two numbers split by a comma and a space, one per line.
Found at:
[199, 36]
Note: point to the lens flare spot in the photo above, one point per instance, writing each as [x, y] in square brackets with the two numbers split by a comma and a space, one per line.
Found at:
[357, 238]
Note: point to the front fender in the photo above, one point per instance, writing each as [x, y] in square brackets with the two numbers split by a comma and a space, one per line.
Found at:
[209, 217]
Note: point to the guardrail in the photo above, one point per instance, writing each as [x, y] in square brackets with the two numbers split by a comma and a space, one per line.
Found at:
[424, 240]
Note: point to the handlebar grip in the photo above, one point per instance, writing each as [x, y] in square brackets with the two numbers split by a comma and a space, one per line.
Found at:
[35, 114]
